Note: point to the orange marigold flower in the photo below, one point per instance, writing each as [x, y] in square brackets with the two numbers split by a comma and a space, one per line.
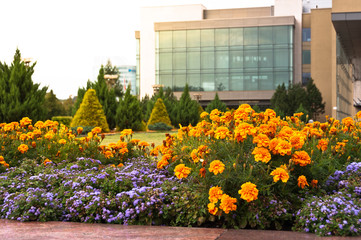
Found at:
[348, 122]
[297, 141]
[181, 171]
[222, 133]
[25, 121]
[108, 154]
[123, 150]
[162, 163]
[79, 130]
[283, 148]
[204, 114]
[280, 174]
[215, 193]
[96, 130]
[143, 144]
[23, 137]
[249, 191]
[212, 209]
[23, 148]
[228, 203]
[242, 131]
[126, 132]
[135, 141]
[2, 159]
[262, 140]
[216, 167]
[62, 141]
[120, 165]
[358, 115]
[273, 144]
[333, 130]
[261, 154]
[322, 144]
[202, 172]
[302, 181]
[302, 158]
[46, 161]
[314, 183]
[39, 124]
[194, 155]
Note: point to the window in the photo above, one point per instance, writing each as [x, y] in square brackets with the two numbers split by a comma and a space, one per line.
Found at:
[306, 34]
[306, 57]
[306, 76]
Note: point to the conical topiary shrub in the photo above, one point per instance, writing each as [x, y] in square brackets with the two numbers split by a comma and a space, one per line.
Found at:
[90, 113]
[159, 114]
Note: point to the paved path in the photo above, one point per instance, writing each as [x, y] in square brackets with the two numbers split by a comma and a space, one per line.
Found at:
[13, 230]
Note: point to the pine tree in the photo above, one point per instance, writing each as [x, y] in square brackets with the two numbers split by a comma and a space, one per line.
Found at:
[129, 112]
[187, 109]
[216, 103]
[296, 95]
[53, 105]
[303, 110]
[159, 114]
[315, 106]
[279, 100]
[19, 96]
[90, 113]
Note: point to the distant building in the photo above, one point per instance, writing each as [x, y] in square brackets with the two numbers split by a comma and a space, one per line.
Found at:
[245, 53]
[127, 77]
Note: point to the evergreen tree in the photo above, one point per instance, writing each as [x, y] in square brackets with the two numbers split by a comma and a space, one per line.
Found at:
[216, 103]
[53, 105]
[80, 96]
[187, 109]
[68, 106]
[303, 110]
[129, 112]
[114, 84]
[279, 100]
[296, 95]
[19, 96]
[90, 112]
[159, 114]
[314, 100]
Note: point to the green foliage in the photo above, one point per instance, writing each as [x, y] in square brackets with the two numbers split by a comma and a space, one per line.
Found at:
[159, 114]
[216, 103]
[314, 100]
[159, 126]
[68, 106]
[301, 109]
[187, 109]
[53, 105]
[286, 101]
[129, 112]
[20, 97]
[256, 108]
[66, 120]
[86, 129]
[90, 112]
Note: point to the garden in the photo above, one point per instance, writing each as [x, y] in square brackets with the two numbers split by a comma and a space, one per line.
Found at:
[233, 169]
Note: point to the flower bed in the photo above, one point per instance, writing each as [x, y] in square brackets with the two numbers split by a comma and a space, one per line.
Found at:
[235, 169]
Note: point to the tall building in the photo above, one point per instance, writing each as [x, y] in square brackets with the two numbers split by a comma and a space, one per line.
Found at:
[127, 77]
[245, 53]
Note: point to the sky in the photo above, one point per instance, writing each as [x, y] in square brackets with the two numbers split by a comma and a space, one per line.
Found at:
[70, 39]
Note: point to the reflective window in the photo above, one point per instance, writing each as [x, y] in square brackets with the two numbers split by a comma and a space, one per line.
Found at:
[222, 59]
[306, 76]
[265, 35]
[193, 38]
[236, 36]
[306, 57]
[179, 39]
[193, 60]
[251, 36]
[207, 37]
[222, 37]
[306, 34]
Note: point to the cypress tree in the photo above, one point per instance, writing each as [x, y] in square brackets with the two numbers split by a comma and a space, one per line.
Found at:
[159, 114]
[187, 109]
[90, 113]
[216, 103]
[19, 96]
[279, 100]
[129, 112]
[315, 106]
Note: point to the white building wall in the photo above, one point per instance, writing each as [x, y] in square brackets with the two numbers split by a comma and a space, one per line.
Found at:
[293, 8]
[150, 15]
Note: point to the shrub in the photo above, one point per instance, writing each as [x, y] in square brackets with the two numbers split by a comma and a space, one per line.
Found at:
[129, 112]
[85, 131]
[159, 114]
[90, 113]
[187, 109]
[216, 103]
[66, 120]
[159, 126]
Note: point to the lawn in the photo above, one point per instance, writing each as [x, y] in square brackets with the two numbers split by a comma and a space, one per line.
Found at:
[150, 137]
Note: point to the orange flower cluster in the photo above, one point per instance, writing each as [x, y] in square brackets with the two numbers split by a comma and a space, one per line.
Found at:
[280, 174]
[216, 167]
[181, 171]
[227, 203]
[23, 148]
[248, 191]
[301, 158]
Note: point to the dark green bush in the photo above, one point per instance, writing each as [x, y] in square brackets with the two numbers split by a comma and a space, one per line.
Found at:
[66, 120]
[159, 126]
[86, 129]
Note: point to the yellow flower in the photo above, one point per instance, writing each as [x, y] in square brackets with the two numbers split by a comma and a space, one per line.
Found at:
[96, 130]
[181, 171]
[216, 167]
[194, 155]
[212, 209]
[204, 114]
[262, 140]
[215, 193]
[23, 137]
[222, 133]
[322, 144]
[123, 150]
[358, 115]
[23, 148]
[39, 124]
[108, 154]
[228, 203]
[283, 148]
[261, 154]
[126, 132]
[302, 181]
[302, 158]
[79, 130]
[280, 174]
[249, 191]
[62, 141]
[25, 121]
[2, 159]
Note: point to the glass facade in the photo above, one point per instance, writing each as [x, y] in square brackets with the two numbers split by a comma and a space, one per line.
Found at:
[306, 34]
[137, 67]
[225, 59]
[343, 83]
[306, 76]
[127, 77]
[306, 57]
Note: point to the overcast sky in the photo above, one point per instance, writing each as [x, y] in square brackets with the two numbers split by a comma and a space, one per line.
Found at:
[70, 39]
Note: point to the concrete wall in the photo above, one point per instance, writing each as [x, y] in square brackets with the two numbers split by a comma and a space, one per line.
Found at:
[293, 8]
[150, 15]
[238, 13]
[346, 6]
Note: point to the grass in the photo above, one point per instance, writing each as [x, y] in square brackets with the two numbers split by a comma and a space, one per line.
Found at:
[150, 137]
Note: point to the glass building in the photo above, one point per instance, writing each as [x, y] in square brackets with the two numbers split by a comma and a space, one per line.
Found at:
[127, 77]
[225, 59]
